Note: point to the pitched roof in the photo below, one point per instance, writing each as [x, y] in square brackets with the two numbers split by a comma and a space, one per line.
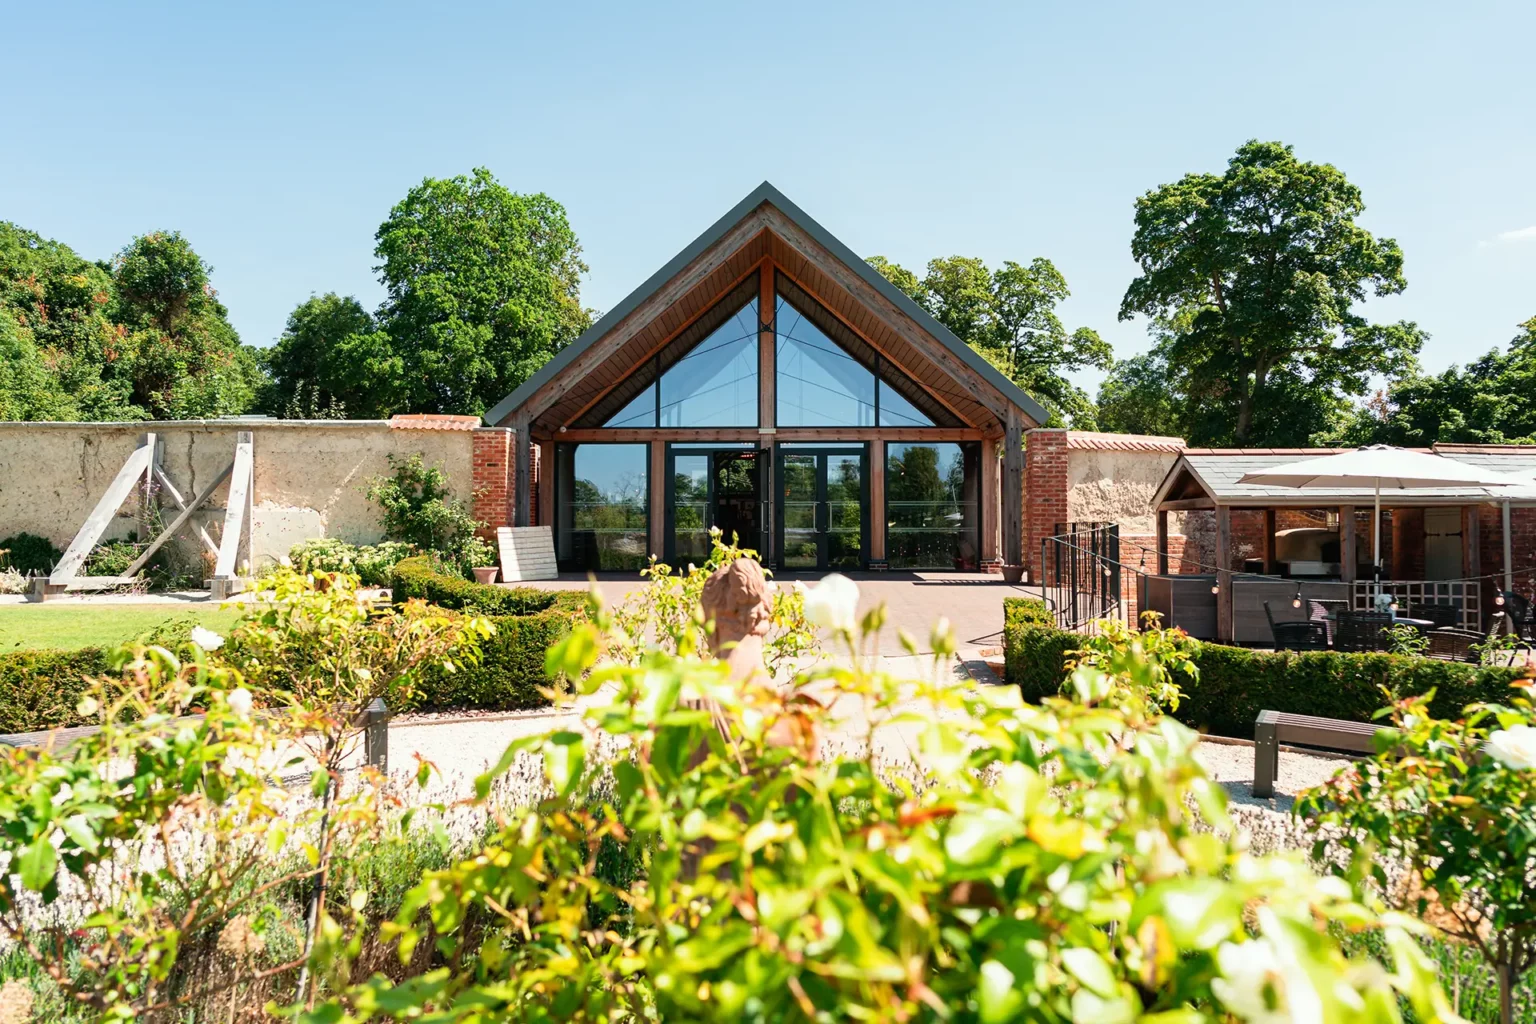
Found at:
[1217, 471]
[766, 193]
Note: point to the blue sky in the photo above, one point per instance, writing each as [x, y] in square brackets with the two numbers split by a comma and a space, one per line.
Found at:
[277, 136]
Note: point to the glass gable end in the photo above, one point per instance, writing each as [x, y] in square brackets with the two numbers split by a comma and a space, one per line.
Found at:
[896, 411]
[715, 384]
[639, 412]
[818, 384]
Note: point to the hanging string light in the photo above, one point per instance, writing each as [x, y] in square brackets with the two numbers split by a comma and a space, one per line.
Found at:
[1296, 601]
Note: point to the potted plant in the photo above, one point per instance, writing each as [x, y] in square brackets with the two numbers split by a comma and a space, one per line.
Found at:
[1013, 573]
[485, 573]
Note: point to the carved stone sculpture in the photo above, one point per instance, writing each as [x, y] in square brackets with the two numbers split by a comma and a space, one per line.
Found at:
[737, 599]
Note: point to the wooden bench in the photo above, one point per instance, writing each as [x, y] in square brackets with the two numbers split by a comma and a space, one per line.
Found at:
[1273, 728]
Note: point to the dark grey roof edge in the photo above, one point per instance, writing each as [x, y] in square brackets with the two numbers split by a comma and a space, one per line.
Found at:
[766, 193]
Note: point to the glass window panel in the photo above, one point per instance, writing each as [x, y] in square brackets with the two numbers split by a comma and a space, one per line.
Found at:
[602, 506]
[931, 506]
[639, 412]
[896, 411]
[690, 509]
[715, 384]
[819, 384]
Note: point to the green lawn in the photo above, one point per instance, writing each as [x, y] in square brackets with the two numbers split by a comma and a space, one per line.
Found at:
[99, 625]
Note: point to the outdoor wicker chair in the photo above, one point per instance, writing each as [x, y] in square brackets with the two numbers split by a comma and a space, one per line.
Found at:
[1298, 635]
[1362, 631]
[1444, 616]
[1454, 644]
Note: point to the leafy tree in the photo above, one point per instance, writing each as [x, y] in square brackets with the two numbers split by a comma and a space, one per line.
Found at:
[1487, 402]
[483, 288]
[187, 357]
[1135, 398]
[332, 359]
[1254, 273]
[142, 337]
[1009, 316]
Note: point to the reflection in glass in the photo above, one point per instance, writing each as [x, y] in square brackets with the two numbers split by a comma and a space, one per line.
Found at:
[639, 412]
[931, 505]
[845, 512]
[690, 509]
[896, 411]
[801, 550]
[818, 384]
[715, 384]
[602, 511]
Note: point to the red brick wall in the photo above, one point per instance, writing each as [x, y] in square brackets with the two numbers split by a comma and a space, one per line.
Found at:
[492, 463]
[1522, 543]
[1045, 489]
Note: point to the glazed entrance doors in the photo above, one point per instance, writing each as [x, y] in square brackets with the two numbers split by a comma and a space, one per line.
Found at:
[823, 508]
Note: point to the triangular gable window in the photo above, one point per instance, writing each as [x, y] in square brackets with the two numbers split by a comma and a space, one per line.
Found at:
[819, 383]
[713, 384]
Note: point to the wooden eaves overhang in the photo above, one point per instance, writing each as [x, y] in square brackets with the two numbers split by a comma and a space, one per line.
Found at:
[763, 235]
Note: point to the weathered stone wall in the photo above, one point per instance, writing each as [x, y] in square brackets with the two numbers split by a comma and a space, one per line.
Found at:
[1108, 486]
[311, 476]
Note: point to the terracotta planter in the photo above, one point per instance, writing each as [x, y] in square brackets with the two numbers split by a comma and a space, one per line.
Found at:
[1013, 574]
[486, 573]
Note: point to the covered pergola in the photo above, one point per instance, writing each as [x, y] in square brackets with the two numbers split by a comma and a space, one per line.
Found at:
[1442, 561]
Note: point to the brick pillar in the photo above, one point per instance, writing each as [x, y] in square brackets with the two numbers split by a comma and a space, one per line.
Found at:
[492, 463]
[1045, 490]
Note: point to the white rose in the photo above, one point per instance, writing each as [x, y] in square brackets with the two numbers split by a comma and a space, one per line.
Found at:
[1252, 984]
[1514, 747]
[240, 701]
[207, 639]
[833, 603]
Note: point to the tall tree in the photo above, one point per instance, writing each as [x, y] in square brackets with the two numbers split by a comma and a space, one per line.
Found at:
[1256, 272]
[1486, 402]
[483, 287]
[1135, 398]
[187, 359]
[143, 336]
[1009, 316]
[333, 360]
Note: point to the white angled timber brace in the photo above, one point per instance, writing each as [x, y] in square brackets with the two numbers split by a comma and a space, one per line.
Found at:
[143, 466]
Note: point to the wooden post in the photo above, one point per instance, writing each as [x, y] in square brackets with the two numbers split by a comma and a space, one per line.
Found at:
[1471, 549]
[547, 483]
[658, 498]
[767, 401]
[1269, 542]
[522, 455]
[1509, 564]
[1224, 573]
[1013, 489]
[1347, 557]
[877, 501]
[1162, 542]
[991, 511]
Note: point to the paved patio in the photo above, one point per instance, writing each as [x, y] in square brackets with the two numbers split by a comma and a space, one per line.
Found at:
[973, 602]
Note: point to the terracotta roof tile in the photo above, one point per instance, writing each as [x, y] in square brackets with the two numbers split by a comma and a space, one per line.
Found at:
[433, 421]
[1090, 440]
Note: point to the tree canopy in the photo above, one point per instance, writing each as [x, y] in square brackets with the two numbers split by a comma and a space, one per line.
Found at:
[1009, 316]
[140, 337]
[1251, 278]
[1487, 402]
[333, 360]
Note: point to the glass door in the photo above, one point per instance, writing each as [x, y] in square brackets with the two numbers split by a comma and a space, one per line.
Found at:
[713, 487]
[822, 509]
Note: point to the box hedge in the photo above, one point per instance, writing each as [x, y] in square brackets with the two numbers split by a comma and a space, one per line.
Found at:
[510, 673]
[1236, 683]
[39, 689]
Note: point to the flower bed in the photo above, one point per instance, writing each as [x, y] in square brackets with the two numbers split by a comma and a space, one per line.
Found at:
[1236, 683]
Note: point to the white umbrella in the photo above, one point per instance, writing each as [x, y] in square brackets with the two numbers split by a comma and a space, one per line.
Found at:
[1397, 469]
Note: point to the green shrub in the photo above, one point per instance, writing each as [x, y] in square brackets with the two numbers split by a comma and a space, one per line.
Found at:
[1235, 683]
[28, 553]
[417, 577]
[528, 622]
[370, 563]
[41, 689]
[1028, 611]
[417, 509]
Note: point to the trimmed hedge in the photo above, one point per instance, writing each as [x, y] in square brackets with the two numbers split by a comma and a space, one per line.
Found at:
[1236, 683]
[40, 689]
[528, 622]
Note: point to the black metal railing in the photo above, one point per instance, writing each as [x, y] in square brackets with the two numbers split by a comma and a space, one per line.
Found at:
[1081, 574]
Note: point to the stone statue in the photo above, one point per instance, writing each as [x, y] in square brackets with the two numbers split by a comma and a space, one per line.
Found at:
[737, 599]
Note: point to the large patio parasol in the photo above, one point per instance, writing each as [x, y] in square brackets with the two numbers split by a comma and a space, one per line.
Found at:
[1396, 469]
